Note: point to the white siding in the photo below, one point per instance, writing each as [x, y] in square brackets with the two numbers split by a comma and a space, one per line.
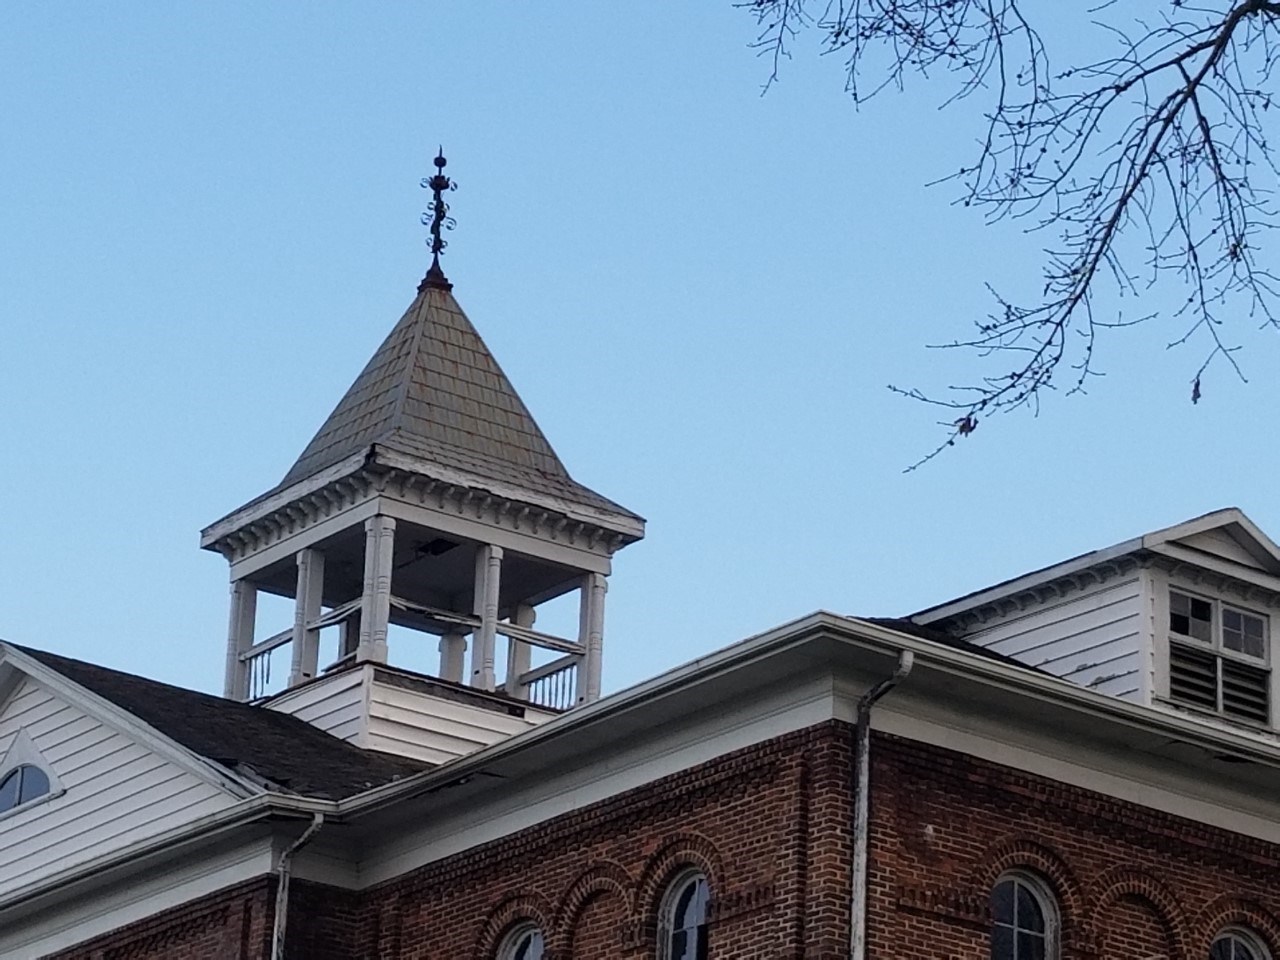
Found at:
[1093, 638]
[116, 791]
[334, 703]
[435, 729]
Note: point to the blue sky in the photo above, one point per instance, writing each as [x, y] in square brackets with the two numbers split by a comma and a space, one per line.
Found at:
[210, 220]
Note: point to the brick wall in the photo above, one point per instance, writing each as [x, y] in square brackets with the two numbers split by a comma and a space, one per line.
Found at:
[770, 827]
[1129, 882]
[233, 924]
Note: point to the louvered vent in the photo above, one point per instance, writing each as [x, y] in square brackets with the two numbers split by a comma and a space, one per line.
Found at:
[1194, 680]
[1244, 692]
[1193, 677]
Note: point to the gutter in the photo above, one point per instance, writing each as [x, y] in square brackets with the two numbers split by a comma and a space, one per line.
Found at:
[281, 925]
[862, 803]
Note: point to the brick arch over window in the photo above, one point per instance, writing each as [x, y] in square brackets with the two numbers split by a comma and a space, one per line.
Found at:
[1114, 887]
[602, 900]
[506, 914]
[1230, 911]
[603, 876]
[679, 853]
[1026, 854]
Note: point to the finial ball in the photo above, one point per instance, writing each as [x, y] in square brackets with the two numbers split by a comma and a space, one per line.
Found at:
[439, 161]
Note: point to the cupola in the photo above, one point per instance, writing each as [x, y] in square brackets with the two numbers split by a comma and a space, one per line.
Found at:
[429, 499]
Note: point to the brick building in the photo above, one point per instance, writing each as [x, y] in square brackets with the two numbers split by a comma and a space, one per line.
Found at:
[1081, 762]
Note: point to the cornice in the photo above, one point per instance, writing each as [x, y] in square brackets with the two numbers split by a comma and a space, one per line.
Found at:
[252, 530]
[1057, 588]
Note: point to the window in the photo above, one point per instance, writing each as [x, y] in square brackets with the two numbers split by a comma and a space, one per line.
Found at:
[522, 943]
[22, 785]
[683, 931]
[1024, 921]
[1237, 945]
[1218, 658]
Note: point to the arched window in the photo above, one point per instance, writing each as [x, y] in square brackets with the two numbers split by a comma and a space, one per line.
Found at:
[22, 785]
[1238, 945]
[523, 943]
[1024, 919]
[683, 931]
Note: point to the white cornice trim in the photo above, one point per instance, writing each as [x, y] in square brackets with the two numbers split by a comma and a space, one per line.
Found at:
[256, 510]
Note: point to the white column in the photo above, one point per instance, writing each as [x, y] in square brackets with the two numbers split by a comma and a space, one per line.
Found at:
[244, 615]
[591, 636]
[520, 654]
[375, 602]
[488, 580]
[453, 657]
[306, 608]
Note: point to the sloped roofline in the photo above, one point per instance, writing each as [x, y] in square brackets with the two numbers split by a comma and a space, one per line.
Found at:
[1157, 541]
[127, 724]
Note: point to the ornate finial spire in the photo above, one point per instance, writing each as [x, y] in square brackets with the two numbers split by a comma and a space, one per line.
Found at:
[437, 217]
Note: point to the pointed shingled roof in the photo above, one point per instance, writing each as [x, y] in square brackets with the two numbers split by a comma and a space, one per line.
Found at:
[434, 391]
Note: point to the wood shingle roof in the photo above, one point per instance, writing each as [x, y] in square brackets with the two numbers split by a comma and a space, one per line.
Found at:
[433, 391]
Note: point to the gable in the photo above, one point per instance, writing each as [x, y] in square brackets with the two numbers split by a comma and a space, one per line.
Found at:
[1231, 543]
[114, 791]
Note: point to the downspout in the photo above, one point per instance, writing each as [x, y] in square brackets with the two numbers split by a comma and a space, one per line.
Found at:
[282, 886]
[862, 805]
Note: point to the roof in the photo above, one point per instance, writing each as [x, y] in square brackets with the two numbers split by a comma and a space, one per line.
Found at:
[1192, 541]
[290, 753]
[433, 391]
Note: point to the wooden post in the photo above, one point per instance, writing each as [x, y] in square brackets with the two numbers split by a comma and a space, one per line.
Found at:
[488, 580]
[591, 636]
[519, 653]
[375, 602]
[244, 615]
[453, 655]
[306, 643]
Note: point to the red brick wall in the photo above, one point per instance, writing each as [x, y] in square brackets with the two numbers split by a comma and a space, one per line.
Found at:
[1130, 882]
[770, 826]
[234, 924]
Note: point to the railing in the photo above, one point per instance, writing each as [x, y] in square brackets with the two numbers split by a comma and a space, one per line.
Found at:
[554, 685]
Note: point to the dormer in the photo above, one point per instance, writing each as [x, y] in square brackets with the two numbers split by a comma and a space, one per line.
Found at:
[1185, 618]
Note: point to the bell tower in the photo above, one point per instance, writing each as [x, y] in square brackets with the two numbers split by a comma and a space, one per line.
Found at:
[430, 500]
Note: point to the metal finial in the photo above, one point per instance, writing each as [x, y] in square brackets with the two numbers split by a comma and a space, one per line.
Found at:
[437, 218]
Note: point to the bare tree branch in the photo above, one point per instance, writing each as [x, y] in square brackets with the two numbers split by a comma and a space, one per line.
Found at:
[1163, 140]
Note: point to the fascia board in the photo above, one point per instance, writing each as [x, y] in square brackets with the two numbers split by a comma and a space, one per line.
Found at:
[791, 638]
[1105, 707]
[124, 722]
[1028, 581]
[256, 510]
[170, 844]
[646, 692]
[628, 526]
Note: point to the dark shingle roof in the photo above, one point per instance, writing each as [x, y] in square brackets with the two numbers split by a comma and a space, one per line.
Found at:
[289, 752]
[434, 391]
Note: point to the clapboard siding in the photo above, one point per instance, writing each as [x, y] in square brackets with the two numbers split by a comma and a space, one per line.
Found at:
[435, 729]
[117, 792]
[1092, 638]
[334, 703]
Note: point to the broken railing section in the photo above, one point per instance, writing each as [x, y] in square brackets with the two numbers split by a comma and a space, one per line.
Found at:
[572, 678]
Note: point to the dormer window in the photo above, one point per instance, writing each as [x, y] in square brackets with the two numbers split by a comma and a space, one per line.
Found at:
[1218, 658]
